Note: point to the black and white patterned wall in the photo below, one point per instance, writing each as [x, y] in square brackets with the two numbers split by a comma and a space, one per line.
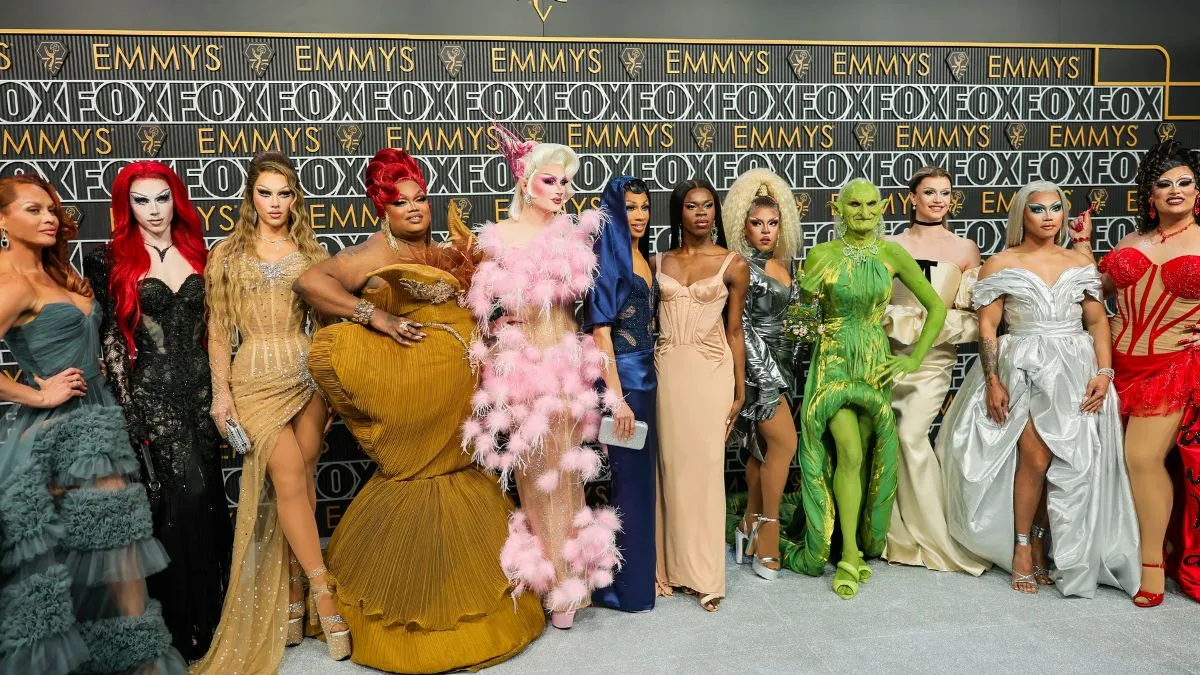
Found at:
[77, 107]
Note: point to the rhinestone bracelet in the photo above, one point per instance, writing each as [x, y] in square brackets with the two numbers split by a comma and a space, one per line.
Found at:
[1107, 372]
[362, 312]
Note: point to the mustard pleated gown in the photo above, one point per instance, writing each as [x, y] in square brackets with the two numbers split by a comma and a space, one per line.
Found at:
[415, 559]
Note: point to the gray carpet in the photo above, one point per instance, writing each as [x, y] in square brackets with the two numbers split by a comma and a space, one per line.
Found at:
[905, 620]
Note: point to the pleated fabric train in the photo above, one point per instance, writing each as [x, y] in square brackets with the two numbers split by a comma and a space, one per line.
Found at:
[415, 559]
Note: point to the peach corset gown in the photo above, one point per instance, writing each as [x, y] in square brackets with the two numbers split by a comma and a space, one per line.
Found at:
[695, 393]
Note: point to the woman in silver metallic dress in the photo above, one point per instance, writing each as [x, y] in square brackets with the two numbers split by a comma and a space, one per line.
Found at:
[1033, 439]
[763, 224]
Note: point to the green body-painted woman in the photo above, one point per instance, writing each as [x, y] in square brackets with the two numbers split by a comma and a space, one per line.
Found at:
[848, 445]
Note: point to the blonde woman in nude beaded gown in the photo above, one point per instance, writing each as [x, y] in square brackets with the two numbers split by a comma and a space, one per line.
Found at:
[267, 389]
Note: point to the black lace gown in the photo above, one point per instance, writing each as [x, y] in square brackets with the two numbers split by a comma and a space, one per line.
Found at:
[166, 396]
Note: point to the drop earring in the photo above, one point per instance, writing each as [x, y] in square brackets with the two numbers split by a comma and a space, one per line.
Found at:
[3, 239]
[1196, 207]
[528, 199]
[1153, 213]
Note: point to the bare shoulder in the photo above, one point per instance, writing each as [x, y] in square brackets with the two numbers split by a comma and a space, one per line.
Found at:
[1078, 259]
[1131, 239]
[1001, 261]
[16, 292]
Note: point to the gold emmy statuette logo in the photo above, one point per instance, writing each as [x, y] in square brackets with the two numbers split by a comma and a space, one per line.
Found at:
[459, 211]
[957, 199]
[800, 59]
[73, 213]
[350, 136]
[543, 14]
[258, 57]
[463, 205]
[704, 134]
[864, 133]
[52, 53]
[151, 137]
[453, 57]
[957, 62]
[633, 58]
[1015, 131]
[1166, 131]
[534, 131]
[1099, 197]
[803, 204]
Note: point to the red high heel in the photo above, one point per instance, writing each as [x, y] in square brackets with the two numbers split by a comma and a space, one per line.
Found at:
[1152, 599]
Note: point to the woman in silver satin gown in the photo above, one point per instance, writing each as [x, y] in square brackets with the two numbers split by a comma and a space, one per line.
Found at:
[762, 223]
[1036, 420]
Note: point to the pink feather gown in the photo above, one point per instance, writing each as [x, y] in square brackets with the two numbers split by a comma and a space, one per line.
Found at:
[537, 405]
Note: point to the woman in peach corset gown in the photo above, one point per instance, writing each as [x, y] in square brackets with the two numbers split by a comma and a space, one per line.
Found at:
[701, 365]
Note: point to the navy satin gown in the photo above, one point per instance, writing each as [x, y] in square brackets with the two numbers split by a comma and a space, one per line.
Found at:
[623, 301]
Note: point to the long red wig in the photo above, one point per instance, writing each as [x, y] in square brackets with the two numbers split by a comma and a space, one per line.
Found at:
[56, 259]
[130, 259]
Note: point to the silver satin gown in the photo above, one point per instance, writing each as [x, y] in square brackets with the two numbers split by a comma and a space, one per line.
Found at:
[1046, 360]
[770, 360]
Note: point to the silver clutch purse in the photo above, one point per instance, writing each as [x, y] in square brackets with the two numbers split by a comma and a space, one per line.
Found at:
[636, 442]
[238, 440]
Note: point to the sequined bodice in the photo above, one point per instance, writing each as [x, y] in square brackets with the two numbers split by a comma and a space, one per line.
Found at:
[273, 338]
[633, 330]
[172, 322]
[1156, 304]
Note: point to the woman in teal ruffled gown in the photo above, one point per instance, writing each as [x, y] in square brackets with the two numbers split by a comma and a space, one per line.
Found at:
[75, 526]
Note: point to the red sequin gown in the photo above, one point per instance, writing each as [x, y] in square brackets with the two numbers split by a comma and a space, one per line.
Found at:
[1157, 306]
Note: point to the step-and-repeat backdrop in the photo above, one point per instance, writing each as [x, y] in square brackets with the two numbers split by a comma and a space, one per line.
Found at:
[76, 108]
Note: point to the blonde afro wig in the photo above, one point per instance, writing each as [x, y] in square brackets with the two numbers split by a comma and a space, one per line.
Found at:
[746, 190]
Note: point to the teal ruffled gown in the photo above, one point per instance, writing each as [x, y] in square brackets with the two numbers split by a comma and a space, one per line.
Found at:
[74, 555]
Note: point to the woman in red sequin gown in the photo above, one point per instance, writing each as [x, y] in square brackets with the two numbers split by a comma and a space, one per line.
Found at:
[1155, 276]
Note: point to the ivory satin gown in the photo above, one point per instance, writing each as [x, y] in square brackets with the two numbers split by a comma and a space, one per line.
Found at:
[918, 533]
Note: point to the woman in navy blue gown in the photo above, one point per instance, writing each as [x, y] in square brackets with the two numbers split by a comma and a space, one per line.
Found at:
[619, 313]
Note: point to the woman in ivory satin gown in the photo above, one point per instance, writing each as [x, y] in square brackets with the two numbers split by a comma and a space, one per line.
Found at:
[700, 359]
[1031, 446]
[918, 534]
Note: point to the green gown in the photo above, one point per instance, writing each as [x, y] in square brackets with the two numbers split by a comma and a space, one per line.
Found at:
[852, 347]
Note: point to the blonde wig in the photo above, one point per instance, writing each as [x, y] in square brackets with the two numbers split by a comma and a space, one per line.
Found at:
[1016, 212]
[742, 195]
[223, 282]
[543, 154]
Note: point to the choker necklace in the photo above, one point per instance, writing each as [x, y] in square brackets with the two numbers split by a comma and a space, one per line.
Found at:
[922, 222]
[162, 252]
